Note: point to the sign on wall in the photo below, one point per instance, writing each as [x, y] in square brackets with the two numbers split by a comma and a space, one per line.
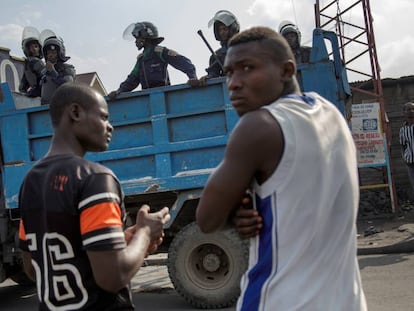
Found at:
[368, 134]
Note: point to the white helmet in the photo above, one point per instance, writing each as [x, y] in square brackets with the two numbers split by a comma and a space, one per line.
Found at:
[228, 19]
[287, 26]
[51, 41]
[30, 35]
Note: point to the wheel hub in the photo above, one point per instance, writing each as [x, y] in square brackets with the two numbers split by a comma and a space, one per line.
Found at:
[211, 262]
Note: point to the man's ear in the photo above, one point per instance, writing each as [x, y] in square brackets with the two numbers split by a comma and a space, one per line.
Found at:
[289, 70]
[75, 111]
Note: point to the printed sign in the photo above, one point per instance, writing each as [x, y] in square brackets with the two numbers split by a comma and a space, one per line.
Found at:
[368, 135]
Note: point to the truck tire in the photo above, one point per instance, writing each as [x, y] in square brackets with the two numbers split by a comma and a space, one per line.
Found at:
[205, 269]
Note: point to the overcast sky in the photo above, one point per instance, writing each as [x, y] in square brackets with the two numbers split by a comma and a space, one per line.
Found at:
[92, 29]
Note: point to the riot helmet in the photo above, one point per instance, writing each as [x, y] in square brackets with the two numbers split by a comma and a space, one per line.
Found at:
[30, 35]
[228, 19]
[287, 26]
[53, 42]
[143, 30]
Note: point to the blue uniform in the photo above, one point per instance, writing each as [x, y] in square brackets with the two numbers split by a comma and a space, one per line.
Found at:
[52, 80]
[34, 68]
[215, 70]
[151, 68]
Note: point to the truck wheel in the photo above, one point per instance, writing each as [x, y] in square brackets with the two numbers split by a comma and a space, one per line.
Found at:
[205, 269]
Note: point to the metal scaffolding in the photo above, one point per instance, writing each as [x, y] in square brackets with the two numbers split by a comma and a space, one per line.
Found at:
[353, 24]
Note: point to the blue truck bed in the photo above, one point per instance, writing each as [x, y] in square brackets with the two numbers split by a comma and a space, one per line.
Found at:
[171, 137]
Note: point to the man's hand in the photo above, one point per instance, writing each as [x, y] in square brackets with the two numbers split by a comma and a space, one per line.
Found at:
[113, 94]
[203, 81]
[247, 220]
[153, 223]
[50, 66]
[193, 82]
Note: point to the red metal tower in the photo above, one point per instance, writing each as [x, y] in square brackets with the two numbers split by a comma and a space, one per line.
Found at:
[358, 49]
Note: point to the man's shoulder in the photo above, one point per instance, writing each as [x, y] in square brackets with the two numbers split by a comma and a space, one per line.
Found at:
[74, 163]
[221, 51]
[65, 68]
[257, 119]
[162, 50]
[97, 168]
[32, 60]
[69, 67]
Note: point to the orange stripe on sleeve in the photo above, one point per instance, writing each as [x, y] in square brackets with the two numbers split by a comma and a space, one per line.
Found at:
[102, 215]
[22, 232]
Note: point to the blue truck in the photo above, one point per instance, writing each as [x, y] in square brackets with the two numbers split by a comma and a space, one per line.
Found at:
[166, 143]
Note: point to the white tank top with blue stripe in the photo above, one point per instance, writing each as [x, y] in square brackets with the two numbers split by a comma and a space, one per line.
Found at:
[305, 256]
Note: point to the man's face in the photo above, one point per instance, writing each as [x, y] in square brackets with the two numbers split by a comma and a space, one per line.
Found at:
[254, 79]
[409, 111]
[52, 56]
[34, 49]
[223, 32]
[96, 131]
[139, 42]
[292, 39]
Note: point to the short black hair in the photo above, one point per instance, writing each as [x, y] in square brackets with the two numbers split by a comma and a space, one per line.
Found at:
[68, 93]
[274, 42]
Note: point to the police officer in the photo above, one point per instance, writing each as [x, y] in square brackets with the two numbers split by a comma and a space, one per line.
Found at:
[58, 71]
[151, 67]
[293, 36]
[225, 26]
[33, 64]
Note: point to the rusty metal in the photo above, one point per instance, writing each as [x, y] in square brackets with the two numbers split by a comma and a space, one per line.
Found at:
[326, 16]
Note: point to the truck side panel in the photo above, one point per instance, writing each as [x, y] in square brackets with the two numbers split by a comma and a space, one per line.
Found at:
[171, 137]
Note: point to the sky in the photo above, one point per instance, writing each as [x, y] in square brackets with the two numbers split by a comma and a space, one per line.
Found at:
[92, 30]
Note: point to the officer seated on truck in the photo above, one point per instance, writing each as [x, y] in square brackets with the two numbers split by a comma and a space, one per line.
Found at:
[225, 26]
[33, 64]
[293, 36]
[151, 67]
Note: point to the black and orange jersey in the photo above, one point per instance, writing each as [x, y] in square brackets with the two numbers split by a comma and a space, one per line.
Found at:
[69, 205]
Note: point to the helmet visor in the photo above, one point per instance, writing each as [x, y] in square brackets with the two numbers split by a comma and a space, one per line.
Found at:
[46, 34]
[223, 16]
[127, 35]
[30, 33]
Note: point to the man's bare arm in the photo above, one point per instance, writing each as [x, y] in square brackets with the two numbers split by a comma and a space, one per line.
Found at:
[253, 151]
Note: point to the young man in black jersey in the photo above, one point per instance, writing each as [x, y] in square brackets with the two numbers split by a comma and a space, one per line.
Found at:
[71, 230]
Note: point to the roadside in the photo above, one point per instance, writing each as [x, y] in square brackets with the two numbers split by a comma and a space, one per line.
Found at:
[385, 234]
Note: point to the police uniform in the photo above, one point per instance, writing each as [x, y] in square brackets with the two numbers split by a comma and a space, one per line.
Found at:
[305, 255]
[302, 54]
[52, 80]
[215, 70]
[151, 68]
[68, 206]
[34, 68]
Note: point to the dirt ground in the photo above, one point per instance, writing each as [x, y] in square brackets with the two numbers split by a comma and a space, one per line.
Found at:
[384, 230]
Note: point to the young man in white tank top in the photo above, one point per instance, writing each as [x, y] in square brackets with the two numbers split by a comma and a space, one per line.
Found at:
[295, 153]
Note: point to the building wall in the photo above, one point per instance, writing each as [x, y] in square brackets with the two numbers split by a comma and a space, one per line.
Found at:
[11, 69]
[396, 92]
